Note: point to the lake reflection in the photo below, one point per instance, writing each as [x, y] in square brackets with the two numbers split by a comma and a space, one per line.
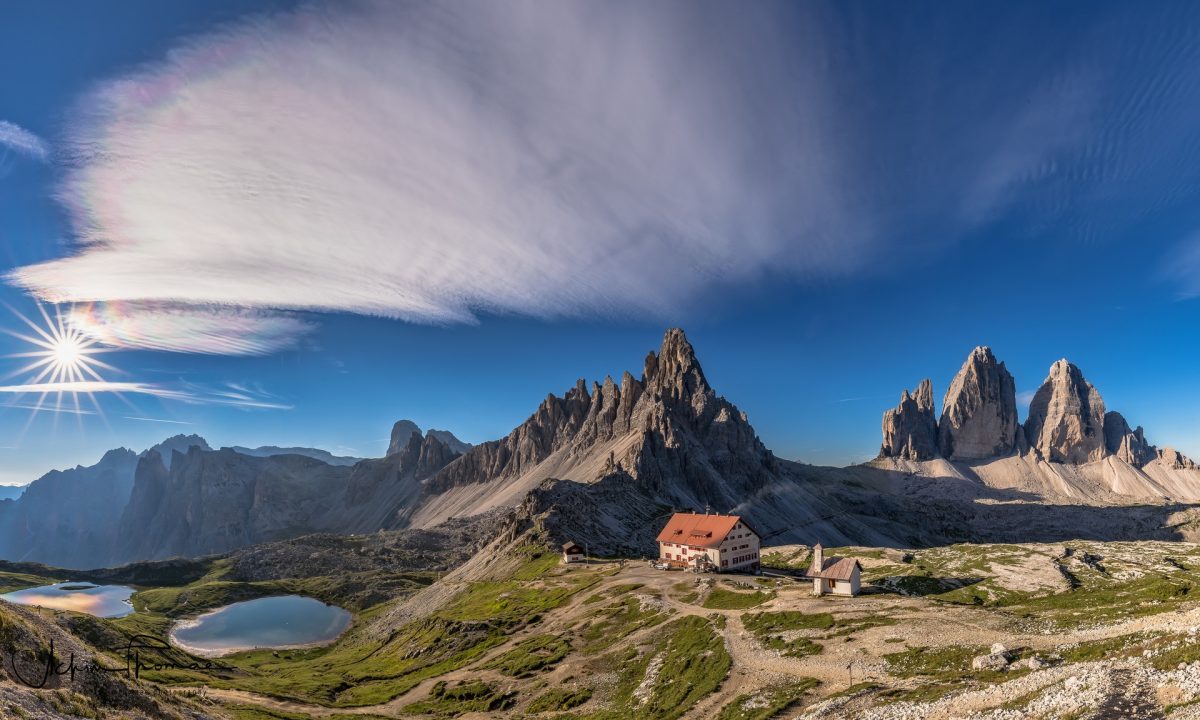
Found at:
[105, 601]
[285, 621]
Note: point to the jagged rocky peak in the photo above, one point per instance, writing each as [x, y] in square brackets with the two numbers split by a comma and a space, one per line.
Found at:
[1066, 418]
[979, 413]
[910, 429]
[675, 372]
[684, 437]
[1127, 444]
[401, 432]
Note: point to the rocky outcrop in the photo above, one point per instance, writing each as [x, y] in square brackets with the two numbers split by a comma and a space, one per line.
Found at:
[1066, 418]
[910, 429]
[979, 413]
[1175, 460]
[1127, 444]
[401, 431]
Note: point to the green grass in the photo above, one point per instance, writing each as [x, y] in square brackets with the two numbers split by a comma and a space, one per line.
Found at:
[692, 663]
[360, 669]
[453, 700]
[559, 699]
[933, 661]
[10, 581]
[530, 656]
[774, 622]
[614, 622]
[611, 592]
[766, 703]
[721, 599]
[941, 670]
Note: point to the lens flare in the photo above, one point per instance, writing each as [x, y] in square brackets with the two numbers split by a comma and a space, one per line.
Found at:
[63, 357]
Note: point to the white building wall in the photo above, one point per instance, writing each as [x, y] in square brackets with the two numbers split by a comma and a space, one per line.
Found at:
[738, 551]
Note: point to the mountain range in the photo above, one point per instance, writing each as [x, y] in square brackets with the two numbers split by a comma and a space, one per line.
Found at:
[605, 464]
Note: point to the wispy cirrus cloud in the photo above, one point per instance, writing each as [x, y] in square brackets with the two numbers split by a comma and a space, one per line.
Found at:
[190, 393]
[49, 408]
[429, 162]
[18, 139]
[1182, 266]
[158, 420]
[176, 327]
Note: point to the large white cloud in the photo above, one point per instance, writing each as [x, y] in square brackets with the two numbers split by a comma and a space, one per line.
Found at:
[430, 161]
[427, 161]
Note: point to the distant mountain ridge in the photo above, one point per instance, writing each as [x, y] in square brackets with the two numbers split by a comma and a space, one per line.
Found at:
[11, 492]
[314, 453]
[606, 464]
[68, 518]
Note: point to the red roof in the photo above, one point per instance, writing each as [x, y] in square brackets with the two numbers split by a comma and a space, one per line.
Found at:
[706, 531]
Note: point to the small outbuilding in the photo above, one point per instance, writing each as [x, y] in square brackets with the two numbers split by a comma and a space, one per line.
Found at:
[834, 575]
[572, 552]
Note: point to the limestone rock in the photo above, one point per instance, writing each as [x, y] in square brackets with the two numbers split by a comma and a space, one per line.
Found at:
[910, 429]
[1176, 460]
[669, 430]
[1066, 418]
[449, 440]
[1127, 444]
[994, 661]
[979, 413]
[401, 432]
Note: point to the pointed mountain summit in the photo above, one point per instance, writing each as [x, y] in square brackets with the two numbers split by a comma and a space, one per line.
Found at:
[1066, 417]
[979, 413]
[910, 429]
[669, 431]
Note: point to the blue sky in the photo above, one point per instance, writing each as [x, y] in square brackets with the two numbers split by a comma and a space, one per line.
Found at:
[356, 212]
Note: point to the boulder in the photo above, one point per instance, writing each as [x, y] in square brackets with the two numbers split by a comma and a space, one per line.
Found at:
[993, 661]
[979, 413]
[910, 429]
[1066, 418]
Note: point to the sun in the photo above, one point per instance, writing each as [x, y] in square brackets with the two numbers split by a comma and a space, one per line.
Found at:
[61, 355]
[68, 353]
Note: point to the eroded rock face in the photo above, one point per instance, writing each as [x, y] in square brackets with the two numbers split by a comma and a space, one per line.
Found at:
[979, 414]
[401, 432]
[689, 443]
[910, 429]
[1066, 418]
[1127, 444]
[1175, 460]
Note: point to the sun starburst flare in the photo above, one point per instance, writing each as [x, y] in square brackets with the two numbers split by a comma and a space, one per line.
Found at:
[63, 357]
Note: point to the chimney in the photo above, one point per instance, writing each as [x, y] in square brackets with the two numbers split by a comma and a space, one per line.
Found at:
[818, 557]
